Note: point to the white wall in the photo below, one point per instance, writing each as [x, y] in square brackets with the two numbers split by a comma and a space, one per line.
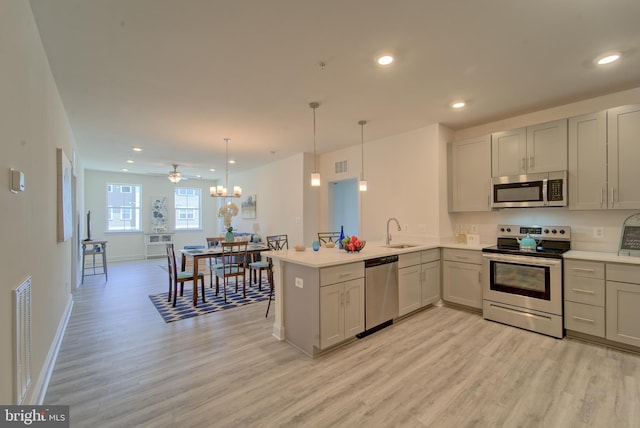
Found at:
[33, 123]
[131, 245]
[581, 222]
[404, 174]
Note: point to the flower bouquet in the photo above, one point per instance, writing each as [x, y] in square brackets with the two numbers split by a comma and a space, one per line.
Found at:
[352, 244]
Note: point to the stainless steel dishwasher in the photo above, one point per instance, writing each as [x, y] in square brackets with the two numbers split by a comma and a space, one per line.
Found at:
[380, 293]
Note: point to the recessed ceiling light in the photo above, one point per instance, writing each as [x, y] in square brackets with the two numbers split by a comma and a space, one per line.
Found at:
[125, 169]
[212, 169]
[137, 149]
[458, 104]
[232, 161]
[130, 161]
[608, 58]
[385, 59]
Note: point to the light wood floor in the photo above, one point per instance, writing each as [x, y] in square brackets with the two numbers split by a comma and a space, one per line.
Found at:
[120, 365]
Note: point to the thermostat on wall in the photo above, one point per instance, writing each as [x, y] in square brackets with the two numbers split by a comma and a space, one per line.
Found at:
[17, 181]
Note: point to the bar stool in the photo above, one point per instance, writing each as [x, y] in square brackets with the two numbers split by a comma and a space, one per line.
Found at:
[92, 248]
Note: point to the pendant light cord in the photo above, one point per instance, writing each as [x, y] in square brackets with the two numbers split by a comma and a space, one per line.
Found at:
[314, 106]
[362, 123]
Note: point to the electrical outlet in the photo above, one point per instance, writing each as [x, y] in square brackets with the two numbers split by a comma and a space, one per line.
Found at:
[299, 282]
[474, 228]
[297, 220]
[598, 232]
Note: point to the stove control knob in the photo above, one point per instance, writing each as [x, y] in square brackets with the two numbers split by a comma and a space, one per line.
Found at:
[508, 229]
[561, 231]
[546, 231]
[554, 231]
[502, 229]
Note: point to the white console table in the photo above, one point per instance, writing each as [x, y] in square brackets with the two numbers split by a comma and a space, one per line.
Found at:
[154, 244]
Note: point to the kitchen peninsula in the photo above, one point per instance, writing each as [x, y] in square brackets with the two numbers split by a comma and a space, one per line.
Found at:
[320, 294]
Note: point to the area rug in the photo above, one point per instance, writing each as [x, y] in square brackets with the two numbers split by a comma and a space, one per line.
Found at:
[184, 304]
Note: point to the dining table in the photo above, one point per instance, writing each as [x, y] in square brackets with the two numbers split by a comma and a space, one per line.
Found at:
[253, 249]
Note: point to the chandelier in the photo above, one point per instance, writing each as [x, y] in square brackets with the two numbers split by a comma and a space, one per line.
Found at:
[222, 191]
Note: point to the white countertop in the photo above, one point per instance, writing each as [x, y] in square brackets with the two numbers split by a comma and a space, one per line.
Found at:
[333, 256]
[601, 257]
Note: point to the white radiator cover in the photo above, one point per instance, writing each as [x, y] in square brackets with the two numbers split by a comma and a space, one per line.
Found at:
[22, 340]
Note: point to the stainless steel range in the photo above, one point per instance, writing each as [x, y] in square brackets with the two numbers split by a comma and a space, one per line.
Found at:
[522, 277]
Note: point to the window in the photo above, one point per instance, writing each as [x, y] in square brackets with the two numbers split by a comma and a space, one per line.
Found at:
[187, 205]
[123, 208]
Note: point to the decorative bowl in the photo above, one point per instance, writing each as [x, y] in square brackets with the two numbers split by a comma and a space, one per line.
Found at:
[359, 247]
[329, 244]
[299, 247]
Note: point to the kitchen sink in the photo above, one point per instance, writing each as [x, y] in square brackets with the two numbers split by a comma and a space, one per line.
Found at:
[401, 246]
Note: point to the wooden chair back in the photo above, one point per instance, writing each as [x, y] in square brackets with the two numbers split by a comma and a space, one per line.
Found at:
[214, 242]
[278, 242]
[171, 260]
[325, 237]
[234, 258]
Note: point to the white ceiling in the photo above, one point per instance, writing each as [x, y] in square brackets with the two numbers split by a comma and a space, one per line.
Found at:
[175, 77]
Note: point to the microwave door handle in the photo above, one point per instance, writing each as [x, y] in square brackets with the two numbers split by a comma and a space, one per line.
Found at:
[545, 196]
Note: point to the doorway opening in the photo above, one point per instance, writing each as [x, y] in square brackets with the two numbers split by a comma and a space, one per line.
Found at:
[345, 206]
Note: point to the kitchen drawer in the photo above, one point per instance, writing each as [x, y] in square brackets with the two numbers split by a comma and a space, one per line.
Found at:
[589, 291]
[583, 318]
[430, 255]
[341, 273]
[408, 259]
[584, 269]
[463, 256]
[623, 273]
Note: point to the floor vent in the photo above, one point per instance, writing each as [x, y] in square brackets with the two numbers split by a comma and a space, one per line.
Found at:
[22, 339]
[341, 167]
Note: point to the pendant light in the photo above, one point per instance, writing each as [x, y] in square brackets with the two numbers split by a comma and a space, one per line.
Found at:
[222, 191]
[363, 183]
[315, 175]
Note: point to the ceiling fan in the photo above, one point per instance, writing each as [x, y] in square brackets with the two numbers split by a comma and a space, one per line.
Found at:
[175, 176]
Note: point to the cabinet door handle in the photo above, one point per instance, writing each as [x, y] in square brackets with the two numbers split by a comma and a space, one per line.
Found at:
[342, 275]
[479, 277]
[579, 290]
[613, 195]
[462, 257]
[583, 319]
[583, 270]
[522, 163]
[341, 299]
[531, 162]
[601, 196]
[348, 298]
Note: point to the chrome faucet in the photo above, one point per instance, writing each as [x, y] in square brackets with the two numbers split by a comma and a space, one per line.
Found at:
[388, 234]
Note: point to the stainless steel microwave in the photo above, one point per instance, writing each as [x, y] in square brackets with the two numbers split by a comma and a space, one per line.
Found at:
[548, 189]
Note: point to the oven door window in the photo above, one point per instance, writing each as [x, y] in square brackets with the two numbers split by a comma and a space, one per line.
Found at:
[522, 279]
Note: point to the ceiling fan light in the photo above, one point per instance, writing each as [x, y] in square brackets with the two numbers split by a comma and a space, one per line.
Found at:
[385, 60]
[175, 177]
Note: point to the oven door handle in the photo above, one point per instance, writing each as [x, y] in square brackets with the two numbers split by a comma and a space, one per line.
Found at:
[535, 261]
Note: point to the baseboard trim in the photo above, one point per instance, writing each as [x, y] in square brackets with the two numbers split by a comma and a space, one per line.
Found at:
[39, 389]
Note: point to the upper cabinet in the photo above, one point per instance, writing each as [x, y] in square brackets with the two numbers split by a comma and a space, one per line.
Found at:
[470, 174]
[538, 148]
[603, 159]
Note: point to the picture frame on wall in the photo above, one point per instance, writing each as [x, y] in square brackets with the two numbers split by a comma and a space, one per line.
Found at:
[65, 219]
[248, 207]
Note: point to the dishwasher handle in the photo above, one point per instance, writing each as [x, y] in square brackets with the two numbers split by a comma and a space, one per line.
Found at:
[380, 261]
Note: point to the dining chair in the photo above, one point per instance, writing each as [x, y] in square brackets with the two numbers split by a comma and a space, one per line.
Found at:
[176, 277]
[275, 243]
[325, 237]
[214, 262]
[234, 265]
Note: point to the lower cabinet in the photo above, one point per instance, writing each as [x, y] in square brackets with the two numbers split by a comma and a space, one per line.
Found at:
[602, 300]
[461, 277]
[418, 280]
[341, 311]
[623, 304]
[409, 287]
